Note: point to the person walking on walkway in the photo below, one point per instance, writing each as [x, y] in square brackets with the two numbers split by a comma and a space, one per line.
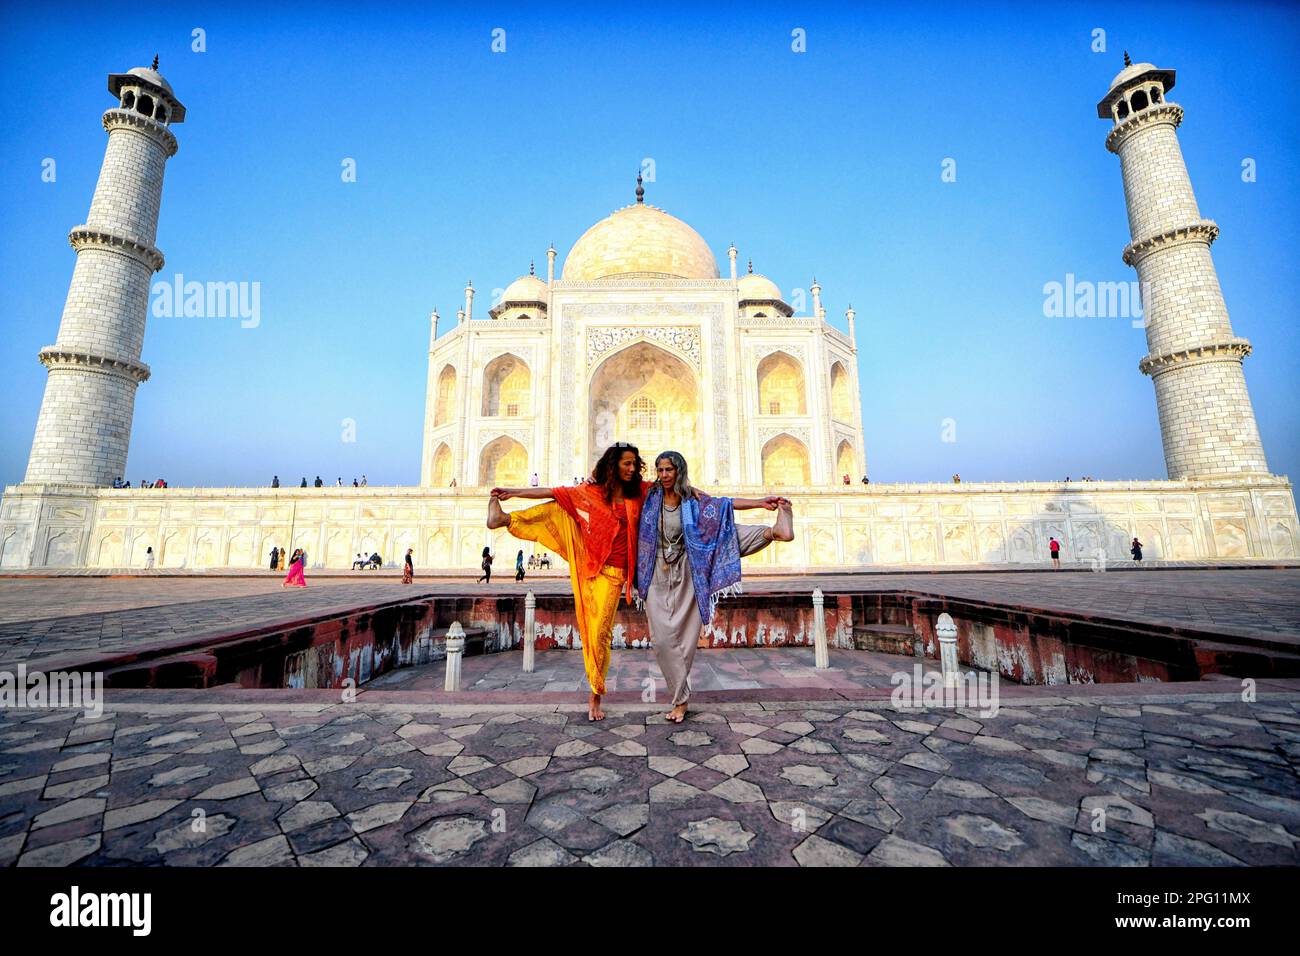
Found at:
[295, 576]
[275, 556]
[519, 565]
[1136, 550]
[148, 557]
[408, 567]
[1054, 549]
[486, 565]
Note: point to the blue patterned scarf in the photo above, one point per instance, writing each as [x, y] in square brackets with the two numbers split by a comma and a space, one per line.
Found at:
[712, 548]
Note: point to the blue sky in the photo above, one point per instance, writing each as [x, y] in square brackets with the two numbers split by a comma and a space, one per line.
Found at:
[826, 162]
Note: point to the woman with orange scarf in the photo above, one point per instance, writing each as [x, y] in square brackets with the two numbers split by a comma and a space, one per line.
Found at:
[594, 528]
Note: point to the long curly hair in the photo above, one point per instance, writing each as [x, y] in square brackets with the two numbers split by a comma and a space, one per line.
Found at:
[605, 473]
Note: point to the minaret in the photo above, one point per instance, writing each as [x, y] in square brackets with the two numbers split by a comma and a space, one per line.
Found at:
[550, 265]
[1206, 420]
[817, 298]
[469, 301]
[731, 254]
[84, 428]
[433, 319]
[853, 335]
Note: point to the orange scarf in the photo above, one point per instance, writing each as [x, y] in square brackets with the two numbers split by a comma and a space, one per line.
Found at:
[587, 506]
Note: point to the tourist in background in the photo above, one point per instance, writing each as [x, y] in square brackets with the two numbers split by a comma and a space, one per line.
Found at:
[148, 557]
[486, 565]
[1054, 549]
[304, 482]
[295, 577]
[593, 527]
[689, 551]
[519, 565]
[408, 567]
[1136, 550]
[275, 481]
[275, 557]
[319, 483]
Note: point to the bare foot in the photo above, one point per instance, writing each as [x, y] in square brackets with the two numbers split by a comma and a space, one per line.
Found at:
[783, 530]
[593, 708]
[497, 518]
[677, 714]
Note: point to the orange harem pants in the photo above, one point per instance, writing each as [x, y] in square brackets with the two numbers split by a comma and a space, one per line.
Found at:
[595, 600]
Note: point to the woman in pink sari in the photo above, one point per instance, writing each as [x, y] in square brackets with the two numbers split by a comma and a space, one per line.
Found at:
[295, 576]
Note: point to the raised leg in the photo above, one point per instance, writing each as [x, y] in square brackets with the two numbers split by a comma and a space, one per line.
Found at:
[783, 529]
[497, 518]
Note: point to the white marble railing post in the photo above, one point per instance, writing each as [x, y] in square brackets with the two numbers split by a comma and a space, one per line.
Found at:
[530, 610]
[946, 628]
[455, 651]
[821, 653]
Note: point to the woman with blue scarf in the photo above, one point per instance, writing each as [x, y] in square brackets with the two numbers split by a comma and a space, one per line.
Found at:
[688, 556]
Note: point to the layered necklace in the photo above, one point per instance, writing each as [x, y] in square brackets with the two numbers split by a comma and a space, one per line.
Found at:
[670, 548]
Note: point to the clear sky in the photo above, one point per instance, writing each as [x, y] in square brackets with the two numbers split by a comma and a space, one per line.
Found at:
[826, 163]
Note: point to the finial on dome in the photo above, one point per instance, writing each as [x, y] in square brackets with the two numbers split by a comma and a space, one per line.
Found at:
[531, 270]
[155, 63]
[751, 266]
[640, 190]
[1127, 61]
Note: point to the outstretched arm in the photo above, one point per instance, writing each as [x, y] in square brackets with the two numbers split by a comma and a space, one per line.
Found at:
[505, 493]
[496, 518]
[771, 503]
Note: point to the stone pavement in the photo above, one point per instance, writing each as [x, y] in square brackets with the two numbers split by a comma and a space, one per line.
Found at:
[1118, 775]
[43, 616]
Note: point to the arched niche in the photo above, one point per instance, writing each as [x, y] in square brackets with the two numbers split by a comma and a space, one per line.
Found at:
[781, 388]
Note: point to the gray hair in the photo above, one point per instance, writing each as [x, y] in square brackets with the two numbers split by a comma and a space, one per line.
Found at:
[683, 485]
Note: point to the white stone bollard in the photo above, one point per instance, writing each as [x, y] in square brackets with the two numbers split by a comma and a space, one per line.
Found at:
[530, 630]
[822, 655]
[455, 651]
[946, 628]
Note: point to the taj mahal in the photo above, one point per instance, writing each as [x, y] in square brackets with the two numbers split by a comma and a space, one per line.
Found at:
[640, 336]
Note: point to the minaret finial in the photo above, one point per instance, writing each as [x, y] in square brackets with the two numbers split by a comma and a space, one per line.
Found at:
[155, 63]
[640, 190]
[1127, 61]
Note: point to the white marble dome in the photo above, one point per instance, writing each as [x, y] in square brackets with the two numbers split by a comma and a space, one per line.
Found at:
[525, 289]
[758, 288]
[640, 240]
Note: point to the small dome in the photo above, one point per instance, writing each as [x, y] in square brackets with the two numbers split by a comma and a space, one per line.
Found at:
[640, 240]
[1130, 74]
[758, 287]
[151, 76]
[525, 289]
